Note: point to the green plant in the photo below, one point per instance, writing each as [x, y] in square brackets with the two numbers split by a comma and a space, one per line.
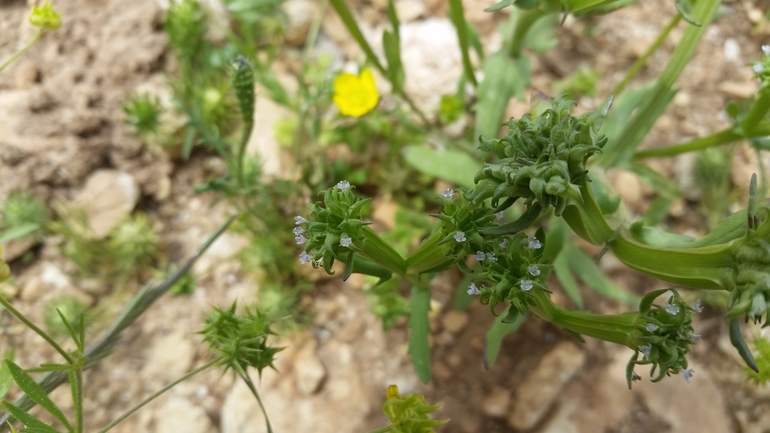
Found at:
[22, 216]
[130, 249]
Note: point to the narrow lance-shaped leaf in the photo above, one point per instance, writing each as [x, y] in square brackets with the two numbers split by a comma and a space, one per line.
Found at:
[32, 423]
[36, 393]
[495, 335]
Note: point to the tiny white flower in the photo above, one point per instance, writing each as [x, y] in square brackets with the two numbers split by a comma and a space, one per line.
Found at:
[448, 193]
[343, 185]
[300, 239]
[504, 244]
[533, 270]
[499, 217]
[299, 219]
[298, 231]
[651, 327]
[534, 244]
[480, 255]
[319, 262]
[766, 49]
[687, 374]
[304, 257]
[697, 306]
[672, 309]
[694, 338]
[473, 290]
[758, 68]
[645, 349]
[345, 241]
[460, 236]
[526, 285]
[491, 257]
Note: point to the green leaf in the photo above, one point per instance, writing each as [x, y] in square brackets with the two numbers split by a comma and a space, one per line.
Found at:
[419, 305]
[450, 165]
[36, 393]
[541, 37]
[568, 283]
[19, 231]
[500, 5]
[623, 107]
[6, 380]
[588, 271]
[504, 78]
[684, 7]
[32, 423]
[495, 336]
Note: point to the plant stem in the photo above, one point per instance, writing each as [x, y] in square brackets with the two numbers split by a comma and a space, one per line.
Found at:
[757, 111]
[641, 61]
[246, 378]
[33, 327]
[525, 22]
[21, 51]
[722, 137]
[155, 395]
[729, 135]
[615, 328]
[76, 384]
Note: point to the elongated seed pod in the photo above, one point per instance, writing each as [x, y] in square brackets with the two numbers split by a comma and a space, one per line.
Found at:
[243, 85]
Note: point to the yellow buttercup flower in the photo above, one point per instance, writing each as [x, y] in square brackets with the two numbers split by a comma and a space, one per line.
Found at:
[355, 95]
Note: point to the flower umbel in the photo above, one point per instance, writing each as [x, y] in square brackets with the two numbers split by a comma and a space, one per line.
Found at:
[355, 95]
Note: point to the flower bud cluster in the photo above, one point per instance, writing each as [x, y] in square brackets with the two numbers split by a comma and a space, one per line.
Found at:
[541, 159]
[332, 227]
[515, 273]
[664, 336]
[462, 223]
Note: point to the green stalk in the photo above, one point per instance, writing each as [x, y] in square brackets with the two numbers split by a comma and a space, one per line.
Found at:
[641, 61]
[615, 328]
[155, 395]
[7, 305]
[458, 19]
[717, 139]
[757, 111]
[525, 22]
[707, 267]
[23, 49]
[427, 256]
[250, 383]
[379, 251]
[729, 135]
[76, 385]
[587, 219]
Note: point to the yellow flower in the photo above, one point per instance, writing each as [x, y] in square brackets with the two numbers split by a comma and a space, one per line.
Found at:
[355, 95]
[45, 16]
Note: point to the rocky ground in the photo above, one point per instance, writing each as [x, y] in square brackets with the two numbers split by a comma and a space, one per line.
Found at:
[62, 138]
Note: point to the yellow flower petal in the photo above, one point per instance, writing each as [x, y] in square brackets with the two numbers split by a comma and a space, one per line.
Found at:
[355, 95]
